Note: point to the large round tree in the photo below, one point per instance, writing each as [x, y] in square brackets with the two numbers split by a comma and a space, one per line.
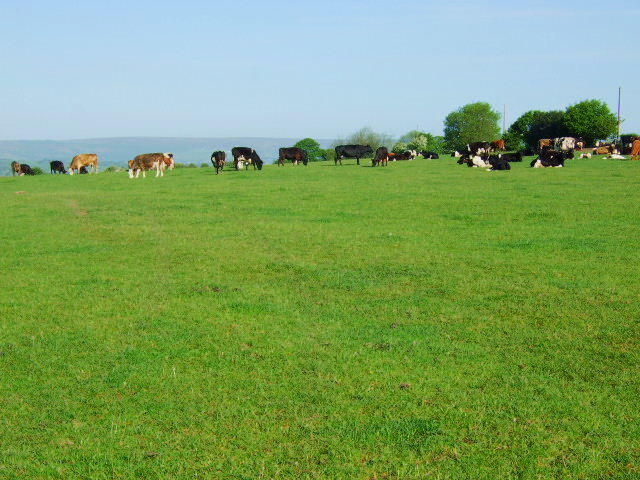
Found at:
[312, 147]
[475, 122]
[591, 120]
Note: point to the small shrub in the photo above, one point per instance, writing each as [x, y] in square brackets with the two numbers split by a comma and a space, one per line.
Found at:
[192, 165]
[204, 165]
[37, 170]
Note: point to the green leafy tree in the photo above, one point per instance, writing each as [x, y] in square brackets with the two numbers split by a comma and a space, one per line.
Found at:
[420, 141]
[475, 122]
[328, 155]
[591, 120]
[533, 125]
[366, 136]
[400, 147]
[312, 147]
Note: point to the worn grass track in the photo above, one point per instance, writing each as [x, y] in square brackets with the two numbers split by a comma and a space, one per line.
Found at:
[424, 320]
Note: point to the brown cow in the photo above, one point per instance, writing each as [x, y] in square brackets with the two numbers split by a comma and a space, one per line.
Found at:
[498, 145]
[84, 160]
[545, 144]
[147, 161]
[635, 149]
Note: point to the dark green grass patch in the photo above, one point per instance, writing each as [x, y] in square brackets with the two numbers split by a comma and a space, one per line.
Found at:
[423, 320]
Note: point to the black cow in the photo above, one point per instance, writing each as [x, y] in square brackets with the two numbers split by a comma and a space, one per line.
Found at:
[381, 157]
[295, 154]
[498, 162]
[57, 167]
[84, 170]
[248, 156]
[26, 170]
[218, 159]
[430, 155]
[511, 157]
[352, 151]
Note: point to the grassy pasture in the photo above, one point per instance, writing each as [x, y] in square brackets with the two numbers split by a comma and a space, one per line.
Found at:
[424, 320]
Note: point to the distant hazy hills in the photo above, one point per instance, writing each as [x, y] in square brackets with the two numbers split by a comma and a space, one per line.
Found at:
[117, 151]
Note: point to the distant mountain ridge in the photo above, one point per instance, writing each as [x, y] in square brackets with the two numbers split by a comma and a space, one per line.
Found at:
[119, 150]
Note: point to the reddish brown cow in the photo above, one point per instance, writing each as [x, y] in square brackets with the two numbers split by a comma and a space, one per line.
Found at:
[498, 145]
[635, 149]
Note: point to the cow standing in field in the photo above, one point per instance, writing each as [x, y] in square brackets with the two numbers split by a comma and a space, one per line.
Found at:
[147, 161]
[544, 144]
[23, 169]
[474, 148]
[219, 159]
[498, 145]
[352, 151]
[57, 167]
[84, 160]
[168, 161]
[564, 144]
[295, 154]
[245, 156]
[381, 157]
[15, 168]
[635, 149]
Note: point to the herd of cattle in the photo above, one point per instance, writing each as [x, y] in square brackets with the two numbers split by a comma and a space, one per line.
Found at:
[551, 153]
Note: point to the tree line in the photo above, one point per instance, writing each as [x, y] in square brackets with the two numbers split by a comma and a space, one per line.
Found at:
[590, 119]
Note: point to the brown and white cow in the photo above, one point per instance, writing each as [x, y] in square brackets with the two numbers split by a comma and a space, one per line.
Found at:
[605, 150]
[545, 144]
[15, 168]
[147, 161]
[84, 160]
[635, 149]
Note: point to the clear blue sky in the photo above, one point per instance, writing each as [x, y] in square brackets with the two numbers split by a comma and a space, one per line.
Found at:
[306, 68]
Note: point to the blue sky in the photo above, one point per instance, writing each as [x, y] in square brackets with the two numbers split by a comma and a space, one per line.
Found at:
[294, 69]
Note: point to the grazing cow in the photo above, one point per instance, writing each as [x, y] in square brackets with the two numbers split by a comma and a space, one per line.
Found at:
[564, 143]
[168, 161]
[511, 157]
[498, 145]
[84, 171]
[147, 161]
[24, 169]
[635, 149]
[381, 157]
[430, 155]
[15, 168]
[295, 154]
[84, 160]
[57, 167]
[219, 159]
[544, 144]
[352, 151]
[245, 156]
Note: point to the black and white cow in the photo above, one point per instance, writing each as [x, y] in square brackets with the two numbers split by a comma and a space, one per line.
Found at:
[475, 148]
[245, 156]
[551, 158]
[57, 167]
[430, 155]
[492, 162]
[295, 154]
[352, 151]
[219, 159]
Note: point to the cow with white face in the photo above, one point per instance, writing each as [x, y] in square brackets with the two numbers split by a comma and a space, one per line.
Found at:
[564, 144]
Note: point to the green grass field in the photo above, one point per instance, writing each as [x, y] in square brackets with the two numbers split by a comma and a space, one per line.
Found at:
[424, 320]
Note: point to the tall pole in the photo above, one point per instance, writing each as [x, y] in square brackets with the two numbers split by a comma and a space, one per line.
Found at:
[504, 118]
[619, 120]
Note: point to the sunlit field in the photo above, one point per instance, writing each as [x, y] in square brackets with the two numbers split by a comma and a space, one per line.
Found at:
[423, 320]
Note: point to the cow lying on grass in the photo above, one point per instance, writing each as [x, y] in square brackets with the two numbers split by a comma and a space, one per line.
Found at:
[492, 162]
[551, 158]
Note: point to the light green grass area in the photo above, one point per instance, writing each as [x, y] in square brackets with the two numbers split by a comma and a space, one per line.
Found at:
[423, 320]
